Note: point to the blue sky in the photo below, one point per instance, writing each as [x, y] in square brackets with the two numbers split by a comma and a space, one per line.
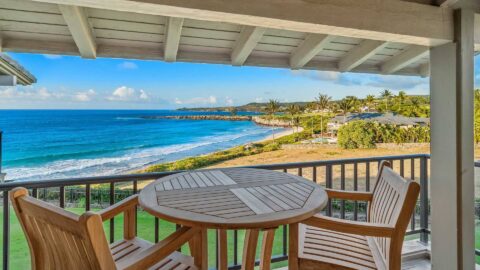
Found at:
[67, 82]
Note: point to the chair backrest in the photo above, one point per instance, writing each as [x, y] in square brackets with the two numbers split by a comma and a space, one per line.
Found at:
[59, 239]
[394, 200]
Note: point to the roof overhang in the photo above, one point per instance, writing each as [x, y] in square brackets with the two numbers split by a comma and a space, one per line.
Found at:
[371, 36]
[9, 67]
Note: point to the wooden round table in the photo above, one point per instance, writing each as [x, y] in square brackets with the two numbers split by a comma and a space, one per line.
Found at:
[235, 198]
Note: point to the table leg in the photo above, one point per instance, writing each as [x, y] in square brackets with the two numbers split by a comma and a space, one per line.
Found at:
[222, 250]
[267, 246]
[293, 247]
[199, 249]
[249, 249]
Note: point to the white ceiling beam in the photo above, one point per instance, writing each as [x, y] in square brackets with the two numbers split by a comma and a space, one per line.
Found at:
[80, 29]
[173, 32]
[247, 40]
[403, 59]
[394, 21]
[424, 70]
[154, 53]
[311, 46]
[360, 54]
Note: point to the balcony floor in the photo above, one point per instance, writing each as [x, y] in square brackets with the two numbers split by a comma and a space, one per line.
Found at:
[415, 256]
[415, 264]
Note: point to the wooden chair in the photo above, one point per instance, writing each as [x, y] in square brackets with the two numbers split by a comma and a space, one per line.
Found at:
[59, 239]
[330, 243]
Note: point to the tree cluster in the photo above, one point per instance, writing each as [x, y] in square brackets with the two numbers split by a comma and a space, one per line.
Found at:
[364, 134]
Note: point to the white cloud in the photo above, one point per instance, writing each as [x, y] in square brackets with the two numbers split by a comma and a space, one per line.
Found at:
[259, 100]
[318, 75]
[127, 65]
[84, 96]
[197, 100]
[143, 95]
[394, 82]
[27, 93]
[124, 93]
[52, 56]
[228, 101]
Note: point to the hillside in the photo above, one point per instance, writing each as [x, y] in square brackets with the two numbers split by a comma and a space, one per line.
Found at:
[250, 107]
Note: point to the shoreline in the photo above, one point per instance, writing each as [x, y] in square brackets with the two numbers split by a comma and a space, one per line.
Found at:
[278, 135]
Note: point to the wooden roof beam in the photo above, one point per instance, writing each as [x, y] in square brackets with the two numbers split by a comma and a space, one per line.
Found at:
[394, 21]
[247, 40]
[405, 58]
[424, 70]
[81, 31]
[173, 33]
[360, 54]
[310, 47]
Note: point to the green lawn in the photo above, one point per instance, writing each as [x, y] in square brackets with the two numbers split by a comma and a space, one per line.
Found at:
[20, 258]
[477, 240]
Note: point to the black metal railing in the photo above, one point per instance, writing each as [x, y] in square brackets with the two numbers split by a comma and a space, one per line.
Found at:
[347, 174]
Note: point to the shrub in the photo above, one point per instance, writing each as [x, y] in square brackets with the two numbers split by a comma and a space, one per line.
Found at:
[357, 134]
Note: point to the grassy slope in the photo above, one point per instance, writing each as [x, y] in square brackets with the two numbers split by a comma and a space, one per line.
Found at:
[20, 258]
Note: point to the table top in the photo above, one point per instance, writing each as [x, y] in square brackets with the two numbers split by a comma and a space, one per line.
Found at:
[235, 198]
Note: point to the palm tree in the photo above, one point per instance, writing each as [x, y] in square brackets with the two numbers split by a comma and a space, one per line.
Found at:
[369, 101]
[272, 107]
[345, 106]
[402, 96]
[322, 103]
[414, 107]
[386, 95]
[293, 110]
[354, 101]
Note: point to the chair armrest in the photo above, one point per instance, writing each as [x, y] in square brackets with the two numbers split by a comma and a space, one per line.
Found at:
[349, 195]
[159, 251]
[118, 208]
[352, 227]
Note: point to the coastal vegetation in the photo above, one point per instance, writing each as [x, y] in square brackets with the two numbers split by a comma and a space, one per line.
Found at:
[363, 134]
[313, 117]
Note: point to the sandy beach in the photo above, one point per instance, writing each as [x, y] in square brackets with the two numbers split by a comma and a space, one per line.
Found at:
[279, 134]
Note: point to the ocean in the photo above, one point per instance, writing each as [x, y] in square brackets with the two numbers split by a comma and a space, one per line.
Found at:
[50, 144]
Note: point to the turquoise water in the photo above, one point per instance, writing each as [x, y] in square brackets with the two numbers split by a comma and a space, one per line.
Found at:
[47, 144]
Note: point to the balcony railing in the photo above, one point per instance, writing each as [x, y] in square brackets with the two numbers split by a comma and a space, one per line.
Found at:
[347, 174]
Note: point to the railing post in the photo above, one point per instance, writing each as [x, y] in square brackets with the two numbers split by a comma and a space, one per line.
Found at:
[6, 231]
[112, 220]
[328, 182]
[423, 200]
[2, 175]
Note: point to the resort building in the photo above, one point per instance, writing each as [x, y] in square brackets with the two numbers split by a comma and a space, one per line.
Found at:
[11, 72]
[427, 38]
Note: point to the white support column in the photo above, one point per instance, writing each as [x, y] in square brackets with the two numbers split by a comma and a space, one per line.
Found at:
[452, 161]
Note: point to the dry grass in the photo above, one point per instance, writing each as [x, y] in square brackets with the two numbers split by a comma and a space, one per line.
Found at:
[302, 155]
